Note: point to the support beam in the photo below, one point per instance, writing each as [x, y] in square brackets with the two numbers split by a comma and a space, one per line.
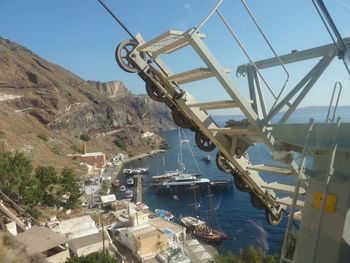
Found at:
[315, 71]
[327, 60]
[295, 56]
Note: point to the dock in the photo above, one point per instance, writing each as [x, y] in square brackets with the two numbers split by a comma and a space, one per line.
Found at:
[215, 185]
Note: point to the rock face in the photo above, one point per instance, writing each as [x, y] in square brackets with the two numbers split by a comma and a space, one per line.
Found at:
[62, 102]
[111, 89]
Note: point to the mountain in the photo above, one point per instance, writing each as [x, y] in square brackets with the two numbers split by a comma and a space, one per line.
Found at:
[44, 109]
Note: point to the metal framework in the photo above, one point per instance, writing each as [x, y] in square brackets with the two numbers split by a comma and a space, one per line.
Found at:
[320, 197]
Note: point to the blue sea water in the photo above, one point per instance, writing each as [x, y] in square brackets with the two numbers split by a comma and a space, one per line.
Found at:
[234, 214]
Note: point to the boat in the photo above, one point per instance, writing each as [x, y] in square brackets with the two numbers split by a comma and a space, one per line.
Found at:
[128, 194]
[130, 181]
[141, 206]
[122, 188]
[116, 183]
[126, 171]
[207, 158]
[181, 167]
[166, 215]
[201, 229]
[134, 171]
[183, 180]
[144, 170]
[209, 235]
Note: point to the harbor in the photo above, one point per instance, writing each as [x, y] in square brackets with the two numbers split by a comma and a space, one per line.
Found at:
[233, 208]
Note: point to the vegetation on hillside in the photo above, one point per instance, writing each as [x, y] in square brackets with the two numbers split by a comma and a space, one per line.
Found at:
[43, 187]
[85, 137]
[121, 143]
[96, 257]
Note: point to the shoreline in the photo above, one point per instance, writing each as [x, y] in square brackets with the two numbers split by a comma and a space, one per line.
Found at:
[134, 158]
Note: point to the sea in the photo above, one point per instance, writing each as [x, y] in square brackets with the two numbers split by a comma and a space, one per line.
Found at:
[231, 210]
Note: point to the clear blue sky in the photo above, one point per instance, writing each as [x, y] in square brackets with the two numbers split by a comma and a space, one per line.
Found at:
[81, 36]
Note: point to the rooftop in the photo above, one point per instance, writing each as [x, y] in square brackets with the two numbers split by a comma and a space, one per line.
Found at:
[161, 224]
[108, 198]
[146, 234]
[39, 239]
[76, 227]
[86, 240]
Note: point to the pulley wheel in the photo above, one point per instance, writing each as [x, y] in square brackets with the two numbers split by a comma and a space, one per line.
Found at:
[180, 119]
[271, 219]
[153, 92]
[122, 53]
[240, 184]
[203, 142]
[222, 164]
[256, 202]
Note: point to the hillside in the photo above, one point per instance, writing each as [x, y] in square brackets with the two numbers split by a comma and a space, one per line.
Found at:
[41, 99]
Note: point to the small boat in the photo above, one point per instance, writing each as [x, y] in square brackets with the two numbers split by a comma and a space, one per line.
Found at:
[130, 181]
[128, 194]
[134, 171]
[116, 183]
[166, 215]
[207, 158]
[122, 188]
[175, 197]
[144, 170]
[126, 171]
[141, 206]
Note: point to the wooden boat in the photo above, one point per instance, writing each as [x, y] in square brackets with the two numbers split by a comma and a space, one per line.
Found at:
[209, 235]
[200, 229]
[116, 183]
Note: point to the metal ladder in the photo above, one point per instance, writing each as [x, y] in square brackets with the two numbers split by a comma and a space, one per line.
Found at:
[232, 141]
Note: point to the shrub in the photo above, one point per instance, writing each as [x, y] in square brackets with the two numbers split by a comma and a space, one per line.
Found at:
[120, 143]
[33, 212]
[76, 148]
[43, 136]
[96, 257]
[85, 137]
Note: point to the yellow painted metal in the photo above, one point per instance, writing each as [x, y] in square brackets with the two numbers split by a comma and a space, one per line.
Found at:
[331, 202]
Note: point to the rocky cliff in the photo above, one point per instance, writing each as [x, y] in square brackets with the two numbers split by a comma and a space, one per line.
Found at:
[38, 97]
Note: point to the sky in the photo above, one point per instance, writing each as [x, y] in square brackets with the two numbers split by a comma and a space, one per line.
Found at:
[81, 36]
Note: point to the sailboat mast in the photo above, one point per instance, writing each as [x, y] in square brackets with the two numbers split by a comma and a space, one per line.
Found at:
[181, 165]
[210, 205]
[195, 205]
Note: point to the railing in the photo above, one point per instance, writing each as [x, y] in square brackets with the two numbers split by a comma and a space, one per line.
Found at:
[235, 36]
[336, 84]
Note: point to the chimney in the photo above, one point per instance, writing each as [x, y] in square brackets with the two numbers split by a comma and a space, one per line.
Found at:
[84, 147]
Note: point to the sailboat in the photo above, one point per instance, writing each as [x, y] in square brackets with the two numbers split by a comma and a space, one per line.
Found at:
[180, 172]
[201, 229]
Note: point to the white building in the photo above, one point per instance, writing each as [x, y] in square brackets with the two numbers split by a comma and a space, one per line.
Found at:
[86, 245]
[147, 134]
[45, 241]
[75, 227]
[145, 241]
[138, 218]
[108, 199]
